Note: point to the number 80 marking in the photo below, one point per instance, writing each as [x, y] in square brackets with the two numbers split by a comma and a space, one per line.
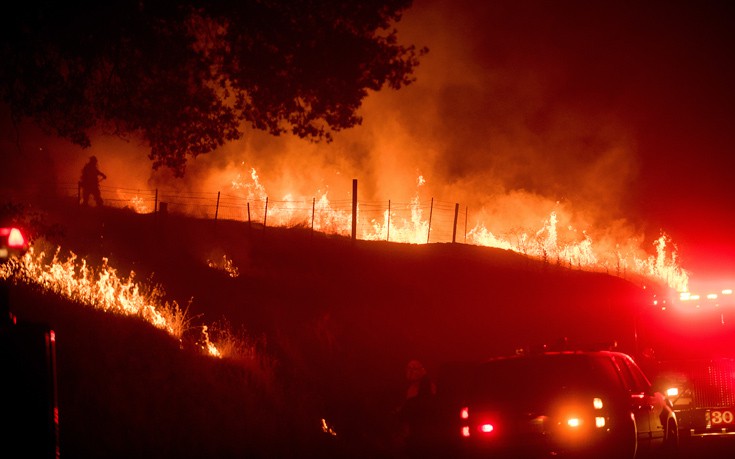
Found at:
[722, 417]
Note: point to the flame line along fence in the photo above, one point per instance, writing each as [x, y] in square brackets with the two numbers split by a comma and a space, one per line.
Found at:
[413, 222]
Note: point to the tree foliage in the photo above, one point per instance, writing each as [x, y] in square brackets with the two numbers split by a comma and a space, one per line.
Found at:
[188, 76]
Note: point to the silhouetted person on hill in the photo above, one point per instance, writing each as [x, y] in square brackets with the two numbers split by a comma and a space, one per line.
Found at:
[90, 182]
[419, 411]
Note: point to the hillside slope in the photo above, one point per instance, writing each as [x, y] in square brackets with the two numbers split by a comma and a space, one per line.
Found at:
[340, 318]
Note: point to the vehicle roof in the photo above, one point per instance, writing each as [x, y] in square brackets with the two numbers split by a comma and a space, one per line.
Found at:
[542, 354]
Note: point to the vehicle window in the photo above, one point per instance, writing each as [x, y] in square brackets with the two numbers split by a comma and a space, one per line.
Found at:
[633, 383]
[536, 377]
[638, 375]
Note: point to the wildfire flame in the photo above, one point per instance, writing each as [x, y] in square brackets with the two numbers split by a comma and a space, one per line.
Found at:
[544, 243]
[105, 290]
[327, 429]
[409, 223]
[139, 205]
[225, 265]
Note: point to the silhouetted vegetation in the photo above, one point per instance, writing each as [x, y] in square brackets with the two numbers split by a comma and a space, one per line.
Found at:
[187, 76]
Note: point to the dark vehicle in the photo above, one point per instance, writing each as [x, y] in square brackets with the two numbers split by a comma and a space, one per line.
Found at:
[12, 243]
[29, 408]
[571, 403]
[29, 413]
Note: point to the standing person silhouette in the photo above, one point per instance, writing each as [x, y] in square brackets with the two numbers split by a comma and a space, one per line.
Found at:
[90, 182]
[419, 412]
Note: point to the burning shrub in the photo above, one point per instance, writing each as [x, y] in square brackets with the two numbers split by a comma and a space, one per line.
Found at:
[226, 265]
[100, 288]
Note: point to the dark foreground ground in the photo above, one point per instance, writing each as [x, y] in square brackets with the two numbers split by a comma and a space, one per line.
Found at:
[336, 322]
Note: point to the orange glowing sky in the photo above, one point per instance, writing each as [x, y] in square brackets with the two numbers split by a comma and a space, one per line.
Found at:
[617, 115]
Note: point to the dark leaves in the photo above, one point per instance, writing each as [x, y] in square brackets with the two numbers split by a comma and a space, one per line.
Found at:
[188, 75]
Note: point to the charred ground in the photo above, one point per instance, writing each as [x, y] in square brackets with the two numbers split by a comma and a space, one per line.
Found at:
[335, 321]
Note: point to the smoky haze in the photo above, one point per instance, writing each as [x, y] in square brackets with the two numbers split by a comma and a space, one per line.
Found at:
[517, 111]
[498, 120]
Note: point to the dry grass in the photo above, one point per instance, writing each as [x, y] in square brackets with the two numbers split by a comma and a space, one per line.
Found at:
[313, 330]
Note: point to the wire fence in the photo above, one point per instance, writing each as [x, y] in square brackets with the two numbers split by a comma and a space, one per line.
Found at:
[396, 221]
[414, 221]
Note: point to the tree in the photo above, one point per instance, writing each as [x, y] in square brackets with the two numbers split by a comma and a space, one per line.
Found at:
[188, 76]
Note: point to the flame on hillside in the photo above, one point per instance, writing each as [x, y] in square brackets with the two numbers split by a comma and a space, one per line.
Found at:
[411, 224]
[501, 136]
[554, 240]
[291, 210]
[226, 265]
[139, 205]
[105, 290]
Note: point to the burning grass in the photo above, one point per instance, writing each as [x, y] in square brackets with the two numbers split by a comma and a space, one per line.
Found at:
[319, 306]
[226, 265]
[105, 289]
[557, 240]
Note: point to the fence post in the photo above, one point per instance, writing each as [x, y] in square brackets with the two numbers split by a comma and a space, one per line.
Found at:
[155, 203]
[265, 214]
[354, 209]
[313, 208]
[466, 213]
[431, 211]
[249, 224]
[454, 226]
[388, 236]
[216, 209]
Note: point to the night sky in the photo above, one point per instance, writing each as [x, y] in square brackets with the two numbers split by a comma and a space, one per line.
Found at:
[653, 78]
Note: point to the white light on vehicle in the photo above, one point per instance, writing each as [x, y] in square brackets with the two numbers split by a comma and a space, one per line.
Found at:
[727, 291]
[464, 413]
[487, 428]
[15, 238]
[465, 431]
[599, 421]
[711, 296]
[574, 422]
[672, 391]
[597, 403]
[684, 296]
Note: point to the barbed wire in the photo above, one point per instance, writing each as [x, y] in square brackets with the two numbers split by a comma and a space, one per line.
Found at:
[413, 221]
[410, 221]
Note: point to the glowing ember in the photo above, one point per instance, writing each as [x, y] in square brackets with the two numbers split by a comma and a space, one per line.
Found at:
[225, 265]
[208, 345]
[138, 205]
[326, 428]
